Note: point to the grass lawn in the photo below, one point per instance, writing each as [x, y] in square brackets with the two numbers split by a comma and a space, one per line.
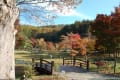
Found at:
[24, 58]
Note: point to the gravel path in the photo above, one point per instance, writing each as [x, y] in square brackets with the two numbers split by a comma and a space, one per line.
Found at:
[75, 73]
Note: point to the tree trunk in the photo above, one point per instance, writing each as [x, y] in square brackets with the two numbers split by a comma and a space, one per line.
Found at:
[115, 61]
[8, 15]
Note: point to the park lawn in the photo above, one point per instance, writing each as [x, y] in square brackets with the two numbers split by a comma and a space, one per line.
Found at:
[93, 68]
[49, 77]
[24, 58]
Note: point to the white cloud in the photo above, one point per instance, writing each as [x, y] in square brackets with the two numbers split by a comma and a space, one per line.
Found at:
[64, 11]
[73, 12]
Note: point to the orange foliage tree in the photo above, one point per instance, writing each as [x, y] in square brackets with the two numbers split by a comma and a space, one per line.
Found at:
[75, 43]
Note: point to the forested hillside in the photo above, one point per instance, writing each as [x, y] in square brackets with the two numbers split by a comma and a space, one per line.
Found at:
[54, 32]
[28, 34]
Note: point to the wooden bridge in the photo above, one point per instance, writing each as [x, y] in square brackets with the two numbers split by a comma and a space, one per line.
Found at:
[76, 62]
[43, 66]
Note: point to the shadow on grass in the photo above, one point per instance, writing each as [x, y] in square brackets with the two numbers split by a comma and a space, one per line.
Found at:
[19, 61]
[19, 71]
[47, 55]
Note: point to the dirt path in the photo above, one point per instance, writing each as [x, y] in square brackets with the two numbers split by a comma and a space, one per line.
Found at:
[75, 73]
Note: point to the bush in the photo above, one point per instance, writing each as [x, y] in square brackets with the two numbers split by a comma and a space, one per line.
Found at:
[28, 72]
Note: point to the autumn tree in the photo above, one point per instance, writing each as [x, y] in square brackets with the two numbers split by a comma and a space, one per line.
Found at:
[50, 46]
[41, 44]
[75, 43]
[22, 41]
[81, 27]
[9, 13]
[106, 28]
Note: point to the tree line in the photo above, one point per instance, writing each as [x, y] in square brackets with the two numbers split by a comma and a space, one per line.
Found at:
[54, 32]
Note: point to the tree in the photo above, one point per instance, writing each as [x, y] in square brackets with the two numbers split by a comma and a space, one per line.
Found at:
[8, 14]
[44, 11]
[107, 30]
[41, 44]
[78, 27]
[75, 43]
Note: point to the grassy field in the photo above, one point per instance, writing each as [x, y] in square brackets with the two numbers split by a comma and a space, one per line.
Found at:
[24, 58]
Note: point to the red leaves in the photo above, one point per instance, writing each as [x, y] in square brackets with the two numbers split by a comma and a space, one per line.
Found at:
[33, 41]
[76, 42]
[106, 29]
[112, 33]
[75, 36]
[103, 18]
[99, 63]
[50, 46]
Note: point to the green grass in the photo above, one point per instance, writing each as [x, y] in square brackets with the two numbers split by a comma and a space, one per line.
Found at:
[93, 67]
[46, 77]
[25, 58]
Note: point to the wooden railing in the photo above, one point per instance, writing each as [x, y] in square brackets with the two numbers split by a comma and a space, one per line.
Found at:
[76, 62]
[43, 66]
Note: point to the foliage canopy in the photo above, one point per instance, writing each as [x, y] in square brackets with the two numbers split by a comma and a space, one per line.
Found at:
[107, 30]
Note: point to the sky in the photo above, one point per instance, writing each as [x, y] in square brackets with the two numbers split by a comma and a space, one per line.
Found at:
[87, 10]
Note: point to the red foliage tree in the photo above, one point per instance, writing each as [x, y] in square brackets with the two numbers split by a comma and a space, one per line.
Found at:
[50, 46]
[107, 29]
[76, 43]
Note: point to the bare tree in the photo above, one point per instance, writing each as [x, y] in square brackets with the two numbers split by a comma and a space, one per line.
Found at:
[9, 12]
[44, 11]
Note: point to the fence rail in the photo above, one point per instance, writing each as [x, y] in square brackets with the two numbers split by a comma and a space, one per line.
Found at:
[76, 62]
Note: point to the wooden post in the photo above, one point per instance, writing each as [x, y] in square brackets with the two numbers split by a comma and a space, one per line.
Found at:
[71, 60]
[40, 62]
[52, 67]
[80, 65]
[115, 61]
[87, 62]
[33, 60]
[63, 61]
[33, 63]
[87, 65]
[74, 61]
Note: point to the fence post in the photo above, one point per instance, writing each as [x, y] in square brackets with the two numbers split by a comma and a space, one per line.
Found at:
[52, 67]
[40, 62]
[33, 63]
[63, 61]
[74, 61]
[115, 61]
[88, 65]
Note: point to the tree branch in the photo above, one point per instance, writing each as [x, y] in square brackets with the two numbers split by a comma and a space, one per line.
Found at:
[6, 3]
[35, 2]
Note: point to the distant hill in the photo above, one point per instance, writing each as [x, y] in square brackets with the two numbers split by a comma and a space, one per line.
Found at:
[54, 32]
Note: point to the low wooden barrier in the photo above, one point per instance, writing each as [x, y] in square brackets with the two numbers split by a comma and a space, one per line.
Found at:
[43, 66]
[76, 62]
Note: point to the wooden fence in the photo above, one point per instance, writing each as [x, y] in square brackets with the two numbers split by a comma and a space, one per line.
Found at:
[76, 62]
